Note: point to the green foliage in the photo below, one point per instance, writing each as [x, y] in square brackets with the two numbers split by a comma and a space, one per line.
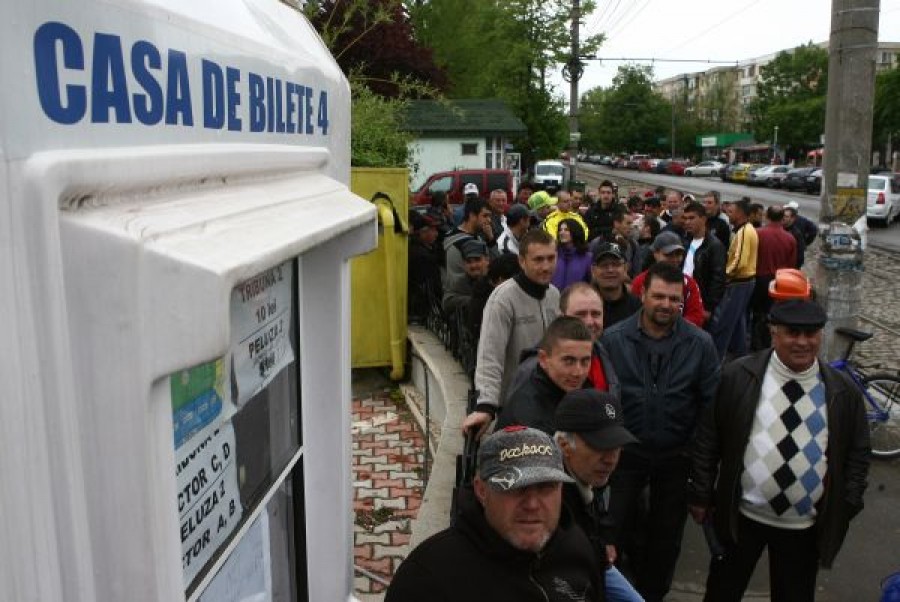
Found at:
[376, 136]
[886, 121]
[505, 49]
[627, 117]
[791, 94]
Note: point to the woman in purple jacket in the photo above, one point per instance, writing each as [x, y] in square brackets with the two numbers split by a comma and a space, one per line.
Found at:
[573, 260]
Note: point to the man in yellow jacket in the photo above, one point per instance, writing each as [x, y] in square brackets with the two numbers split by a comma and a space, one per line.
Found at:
[564, 210]
[728, 325]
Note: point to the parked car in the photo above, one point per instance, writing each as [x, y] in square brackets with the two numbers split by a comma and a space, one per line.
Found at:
[883, 198]
[676, 167]
[662, 166]
[647, 164]
[704, 168]
[606, 160]
[777, 175]
[451, 183]
[796, 178]
[634, 161]
[768, 175]
[740, 173]
[814, 182]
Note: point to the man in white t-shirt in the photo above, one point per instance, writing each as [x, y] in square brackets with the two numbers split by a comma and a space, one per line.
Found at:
[704, 258]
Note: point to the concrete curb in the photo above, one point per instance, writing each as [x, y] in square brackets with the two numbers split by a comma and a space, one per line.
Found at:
[449, 387]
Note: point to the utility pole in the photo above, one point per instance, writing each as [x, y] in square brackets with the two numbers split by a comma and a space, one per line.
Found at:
[572, 73]
[845, 167]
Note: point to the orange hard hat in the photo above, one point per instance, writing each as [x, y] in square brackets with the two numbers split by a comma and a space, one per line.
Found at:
[789, 283]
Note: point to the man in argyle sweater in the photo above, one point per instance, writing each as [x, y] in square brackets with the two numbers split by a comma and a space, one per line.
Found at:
[780, 461]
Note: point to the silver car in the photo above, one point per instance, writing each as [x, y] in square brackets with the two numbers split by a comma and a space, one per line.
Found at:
[704, 168]
[883, 199]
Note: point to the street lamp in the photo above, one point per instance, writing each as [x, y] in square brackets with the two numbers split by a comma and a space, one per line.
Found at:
[775, 144]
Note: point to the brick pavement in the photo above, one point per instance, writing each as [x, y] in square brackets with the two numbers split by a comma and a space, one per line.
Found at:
[387, 471]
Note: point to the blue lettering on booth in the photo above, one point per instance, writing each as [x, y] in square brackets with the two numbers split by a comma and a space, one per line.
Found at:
[65, 108]
[178, 90]
[213, 95]
[148, 107]
[159, 89]
[108, 87]
[257, 103]
[232, 78]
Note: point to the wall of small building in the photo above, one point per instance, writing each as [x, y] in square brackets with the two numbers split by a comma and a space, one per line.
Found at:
[430, 155]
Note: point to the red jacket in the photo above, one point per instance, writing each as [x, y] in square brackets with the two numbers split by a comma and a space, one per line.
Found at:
[693, 301]
[777, 249]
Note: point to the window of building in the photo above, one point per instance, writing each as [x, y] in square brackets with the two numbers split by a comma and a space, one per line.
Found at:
[493, 156]
[469, 148]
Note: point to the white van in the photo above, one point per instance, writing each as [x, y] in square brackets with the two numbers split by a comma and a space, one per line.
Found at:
[549, 173]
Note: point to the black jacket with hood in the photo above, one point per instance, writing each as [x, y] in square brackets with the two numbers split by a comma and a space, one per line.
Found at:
[471, 561]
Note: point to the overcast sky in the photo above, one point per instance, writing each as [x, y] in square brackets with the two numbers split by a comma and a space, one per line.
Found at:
[727, 30]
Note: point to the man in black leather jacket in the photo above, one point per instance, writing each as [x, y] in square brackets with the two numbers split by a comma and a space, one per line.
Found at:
[514, 543]
[780, 461]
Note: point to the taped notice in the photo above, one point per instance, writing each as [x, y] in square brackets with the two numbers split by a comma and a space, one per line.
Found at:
[196, 399]
[247, 574]
[260, 324]
[209, 503]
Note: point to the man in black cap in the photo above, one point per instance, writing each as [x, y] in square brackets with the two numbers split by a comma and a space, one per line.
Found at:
[513, 543]
[590, 432]
[475, 266]
[609, 273]
[780, 461]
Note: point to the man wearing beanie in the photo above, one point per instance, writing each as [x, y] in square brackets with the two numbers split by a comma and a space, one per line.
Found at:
[513, 540]
[590, 432]
[780, 461]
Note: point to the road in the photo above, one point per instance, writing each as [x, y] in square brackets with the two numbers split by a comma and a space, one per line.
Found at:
[886, 238]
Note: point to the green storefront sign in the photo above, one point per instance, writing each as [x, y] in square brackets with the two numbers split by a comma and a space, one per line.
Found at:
[722, 140]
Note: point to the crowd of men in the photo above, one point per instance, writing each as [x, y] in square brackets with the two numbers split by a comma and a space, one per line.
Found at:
[667, 381]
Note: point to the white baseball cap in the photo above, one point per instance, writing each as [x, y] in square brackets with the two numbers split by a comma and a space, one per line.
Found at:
[470, 188]
[792, 205]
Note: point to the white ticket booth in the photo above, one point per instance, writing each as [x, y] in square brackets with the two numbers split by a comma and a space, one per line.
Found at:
[175, 230]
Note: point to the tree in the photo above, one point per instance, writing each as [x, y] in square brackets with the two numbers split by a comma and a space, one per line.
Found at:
[791, 95]
[505, 49]
[886, 122]
[629, 116]
[377, 138]
[373, 41]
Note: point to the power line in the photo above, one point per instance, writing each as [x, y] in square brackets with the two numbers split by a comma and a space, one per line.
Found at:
[633, 17]
[596, 23]
[752, 4]
[657, 60]
[623, 16]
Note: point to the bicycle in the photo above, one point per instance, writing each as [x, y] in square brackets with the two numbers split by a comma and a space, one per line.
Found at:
[882, 394]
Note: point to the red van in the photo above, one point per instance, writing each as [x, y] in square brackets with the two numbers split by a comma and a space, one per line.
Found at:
[452, 183]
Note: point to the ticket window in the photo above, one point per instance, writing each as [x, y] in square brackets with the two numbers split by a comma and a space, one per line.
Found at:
[239, 452]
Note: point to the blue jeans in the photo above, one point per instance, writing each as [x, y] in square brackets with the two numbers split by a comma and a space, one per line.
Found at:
[728, 326]
[619, 589]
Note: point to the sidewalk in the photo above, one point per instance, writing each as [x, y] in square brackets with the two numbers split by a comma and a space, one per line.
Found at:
[387, 453]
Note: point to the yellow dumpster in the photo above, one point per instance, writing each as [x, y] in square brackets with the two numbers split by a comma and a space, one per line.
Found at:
[379, 278]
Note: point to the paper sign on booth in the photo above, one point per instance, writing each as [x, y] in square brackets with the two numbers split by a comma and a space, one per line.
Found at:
[260, 342]
[209, 503]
